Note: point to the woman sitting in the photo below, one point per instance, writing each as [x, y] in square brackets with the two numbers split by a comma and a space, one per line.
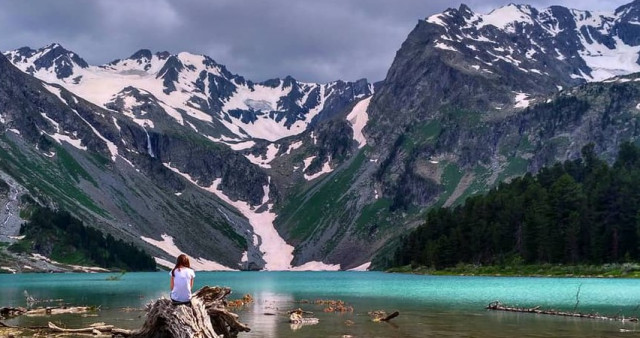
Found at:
[182, 281]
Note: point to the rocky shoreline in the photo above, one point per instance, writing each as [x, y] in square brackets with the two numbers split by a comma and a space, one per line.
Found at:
[36, 263]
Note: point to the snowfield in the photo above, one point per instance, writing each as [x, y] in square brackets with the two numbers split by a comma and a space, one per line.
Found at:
[104, 84]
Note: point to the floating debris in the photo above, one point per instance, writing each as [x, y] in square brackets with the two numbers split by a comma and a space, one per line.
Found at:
[382, 316]
[334, 305]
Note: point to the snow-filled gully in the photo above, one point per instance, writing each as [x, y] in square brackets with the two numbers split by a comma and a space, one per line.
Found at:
[276, 253]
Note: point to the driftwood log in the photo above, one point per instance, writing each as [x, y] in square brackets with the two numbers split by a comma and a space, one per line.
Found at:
[8, 312]
[497, 306]
[295, 317]
[206, 317]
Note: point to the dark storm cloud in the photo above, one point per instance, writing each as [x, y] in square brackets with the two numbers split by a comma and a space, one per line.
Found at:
[311, 40]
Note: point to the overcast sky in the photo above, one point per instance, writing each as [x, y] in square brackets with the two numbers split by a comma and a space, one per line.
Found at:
[312, 40]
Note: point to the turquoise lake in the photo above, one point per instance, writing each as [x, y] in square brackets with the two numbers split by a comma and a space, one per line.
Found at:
[429, 306]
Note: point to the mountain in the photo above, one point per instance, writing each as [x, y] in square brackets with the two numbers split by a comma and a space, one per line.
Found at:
[176, 153]
[194, 91]
[472, 100]
[505, 59]
[158, 148]
[69, 154]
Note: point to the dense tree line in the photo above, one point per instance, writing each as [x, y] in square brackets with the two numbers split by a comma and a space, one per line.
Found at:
[59, 235]
[581, 211]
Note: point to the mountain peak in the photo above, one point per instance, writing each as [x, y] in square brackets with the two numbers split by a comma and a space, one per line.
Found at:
[55, 51]
[52, 58]
[141, 54]
[53, 46]
[465, 10]
[163, 55]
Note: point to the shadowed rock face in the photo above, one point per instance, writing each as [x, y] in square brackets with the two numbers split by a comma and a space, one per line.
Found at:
[467, 74]
[169, 74]
[476, 62]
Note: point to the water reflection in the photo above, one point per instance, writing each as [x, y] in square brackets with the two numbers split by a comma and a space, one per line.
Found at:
[268, 312]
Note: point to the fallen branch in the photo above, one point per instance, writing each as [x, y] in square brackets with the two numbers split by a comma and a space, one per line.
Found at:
[497, 306]
[100, 327]
[577, 298]
[295, 317]
[46, 311]
[390, 317]
[381, 316]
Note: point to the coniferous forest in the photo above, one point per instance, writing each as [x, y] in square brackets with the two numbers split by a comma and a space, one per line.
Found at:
[62, 237]
[583, 211]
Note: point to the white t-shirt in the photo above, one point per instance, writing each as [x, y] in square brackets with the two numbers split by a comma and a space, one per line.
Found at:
[182, 284]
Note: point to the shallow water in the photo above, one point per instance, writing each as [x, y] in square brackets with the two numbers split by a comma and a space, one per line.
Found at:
[430, 306]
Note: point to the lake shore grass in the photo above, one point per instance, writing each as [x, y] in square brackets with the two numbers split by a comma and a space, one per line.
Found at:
[617, 270]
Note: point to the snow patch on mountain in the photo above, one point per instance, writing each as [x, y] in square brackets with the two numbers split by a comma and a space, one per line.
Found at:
[55, 91]
[259, 98]
[167, 245]
[263, 161]
[55, 124]
[522, 100]
[326, 168]
[239, 145]
[358, 118]
[293, 146]
[262, 100]
[444, 46]
[505, 17]
[113, 149]
[606, 62]
[363, 267]
[276, 252]
[164, 262]
[77, 143]
[317, 266]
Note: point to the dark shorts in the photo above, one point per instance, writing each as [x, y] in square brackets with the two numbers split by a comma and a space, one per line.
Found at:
[175, 302]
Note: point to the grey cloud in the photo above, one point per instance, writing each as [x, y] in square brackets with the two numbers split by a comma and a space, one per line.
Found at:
[308, 39]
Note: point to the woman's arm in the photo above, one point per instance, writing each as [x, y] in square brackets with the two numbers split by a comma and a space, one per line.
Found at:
[171, 285]
[192, 282]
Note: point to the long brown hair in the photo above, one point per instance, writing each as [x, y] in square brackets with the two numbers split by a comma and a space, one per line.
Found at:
[182, 261]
